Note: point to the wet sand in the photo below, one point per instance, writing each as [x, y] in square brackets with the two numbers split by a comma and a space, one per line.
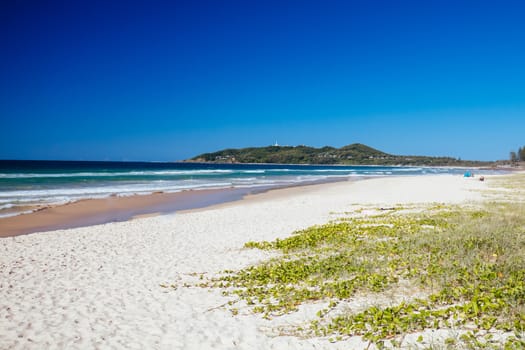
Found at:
[113, 209]
[89, 212]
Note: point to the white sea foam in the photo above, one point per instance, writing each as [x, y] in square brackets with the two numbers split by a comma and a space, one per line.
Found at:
[408, 169]
[7, 215]
[110, 189]
[255, 171]
[110, 174]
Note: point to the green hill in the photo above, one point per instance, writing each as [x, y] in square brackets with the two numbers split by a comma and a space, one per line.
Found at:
[355, 154]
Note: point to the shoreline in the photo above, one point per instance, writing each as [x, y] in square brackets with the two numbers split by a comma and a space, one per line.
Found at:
[96, 211]
[91, 211]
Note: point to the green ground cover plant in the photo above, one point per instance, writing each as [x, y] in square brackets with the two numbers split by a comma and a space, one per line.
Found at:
[469, 263]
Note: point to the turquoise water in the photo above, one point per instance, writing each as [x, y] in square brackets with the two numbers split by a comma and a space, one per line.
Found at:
[28, 185]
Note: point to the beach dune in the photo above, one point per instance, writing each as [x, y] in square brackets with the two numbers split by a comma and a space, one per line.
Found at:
[102, 286]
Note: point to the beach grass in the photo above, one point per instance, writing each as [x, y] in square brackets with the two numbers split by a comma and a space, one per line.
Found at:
[509, 188]
[457, 268]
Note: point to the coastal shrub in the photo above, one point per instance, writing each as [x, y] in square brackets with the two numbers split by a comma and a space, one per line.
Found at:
[469, 264]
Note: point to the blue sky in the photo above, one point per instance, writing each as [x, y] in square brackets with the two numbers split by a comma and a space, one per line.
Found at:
[155, 80]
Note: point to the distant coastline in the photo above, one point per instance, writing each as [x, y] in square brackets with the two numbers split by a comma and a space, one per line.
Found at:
[351, 155]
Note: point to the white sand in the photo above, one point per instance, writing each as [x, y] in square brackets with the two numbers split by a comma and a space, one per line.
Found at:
[99, 286]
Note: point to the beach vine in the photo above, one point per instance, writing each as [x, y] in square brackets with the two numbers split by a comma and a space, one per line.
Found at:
[465, 268]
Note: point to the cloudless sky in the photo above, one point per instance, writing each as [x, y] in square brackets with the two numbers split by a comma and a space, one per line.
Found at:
[167, 80]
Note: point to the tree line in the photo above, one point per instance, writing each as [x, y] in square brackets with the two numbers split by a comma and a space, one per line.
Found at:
[518, 156]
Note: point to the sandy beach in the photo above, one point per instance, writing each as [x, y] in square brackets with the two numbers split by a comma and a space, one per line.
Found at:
[100, 286]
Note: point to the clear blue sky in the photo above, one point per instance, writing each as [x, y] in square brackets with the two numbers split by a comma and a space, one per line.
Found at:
[155, 80]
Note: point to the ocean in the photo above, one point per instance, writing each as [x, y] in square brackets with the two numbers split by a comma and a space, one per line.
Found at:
[26, 186]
